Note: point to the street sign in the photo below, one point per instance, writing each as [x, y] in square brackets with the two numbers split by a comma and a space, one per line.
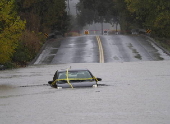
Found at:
[105, 32]
[148, 31]
[46, 35]
[86, 32]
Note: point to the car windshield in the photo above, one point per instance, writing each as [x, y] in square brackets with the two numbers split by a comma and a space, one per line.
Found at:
[74, 76]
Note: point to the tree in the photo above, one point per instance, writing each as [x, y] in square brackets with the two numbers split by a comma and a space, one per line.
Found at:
[11, 27]
[44, 15]
[123, 16]
[153, 14]
[95, 11]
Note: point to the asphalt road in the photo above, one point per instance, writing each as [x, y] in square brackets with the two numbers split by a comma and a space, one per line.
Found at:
[101, 49]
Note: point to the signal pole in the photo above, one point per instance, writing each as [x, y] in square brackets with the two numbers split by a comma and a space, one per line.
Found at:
[102, 25]
[68, 6]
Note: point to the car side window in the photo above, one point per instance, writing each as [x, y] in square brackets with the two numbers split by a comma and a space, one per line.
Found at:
[87, 74]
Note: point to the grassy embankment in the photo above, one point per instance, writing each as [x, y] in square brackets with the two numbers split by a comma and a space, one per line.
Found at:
[164, 42]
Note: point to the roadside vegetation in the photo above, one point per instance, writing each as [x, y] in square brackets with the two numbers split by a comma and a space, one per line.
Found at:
[130, 14]
[23, 24]
[153, 15]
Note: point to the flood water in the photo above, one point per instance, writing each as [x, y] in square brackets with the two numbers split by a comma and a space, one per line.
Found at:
[133, 93]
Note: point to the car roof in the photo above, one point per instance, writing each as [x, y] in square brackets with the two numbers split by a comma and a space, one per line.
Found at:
[73, 70]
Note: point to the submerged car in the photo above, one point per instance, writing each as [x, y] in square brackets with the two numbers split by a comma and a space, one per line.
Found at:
[74, 78]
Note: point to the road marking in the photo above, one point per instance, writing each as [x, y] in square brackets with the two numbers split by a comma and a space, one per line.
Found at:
[101, 55]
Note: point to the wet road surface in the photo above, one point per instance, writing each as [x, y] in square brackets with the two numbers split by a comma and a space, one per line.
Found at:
[101, 49]
[122, 48]
[77, 50]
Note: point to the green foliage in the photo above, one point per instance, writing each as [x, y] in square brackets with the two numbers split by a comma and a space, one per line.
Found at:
[11, 27]
[95, 11]
[28, 47]
[40, 15]
[143, 14]
[85, 16]
[44, 15]
[153, 14]
[123, 16]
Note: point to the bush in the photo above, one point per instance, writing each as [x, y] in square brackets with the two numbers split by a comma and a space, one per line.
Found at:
[29, 45]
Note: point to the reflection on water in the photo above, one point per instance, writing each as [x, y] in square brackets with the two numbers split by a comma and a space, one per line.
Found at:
[6, 87]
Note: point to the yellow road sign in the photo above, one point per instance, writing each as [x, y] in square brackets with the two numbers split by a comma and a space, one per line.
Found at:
[148, 31]
[86, 32]
[46, 34]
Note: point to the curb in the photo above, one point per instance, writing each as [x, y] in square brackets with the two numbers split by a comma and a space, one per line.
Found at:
[157, 44]
[36, 57]
[42, 48]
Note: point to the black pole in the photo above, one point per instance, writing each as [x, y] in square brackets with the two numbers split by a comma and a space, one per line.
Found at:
[68, 2]
[102, 25]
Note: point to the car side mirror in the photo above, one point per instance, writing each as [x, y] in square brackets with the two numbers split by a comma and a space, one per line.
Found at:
[99, 79]
[50, 82]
